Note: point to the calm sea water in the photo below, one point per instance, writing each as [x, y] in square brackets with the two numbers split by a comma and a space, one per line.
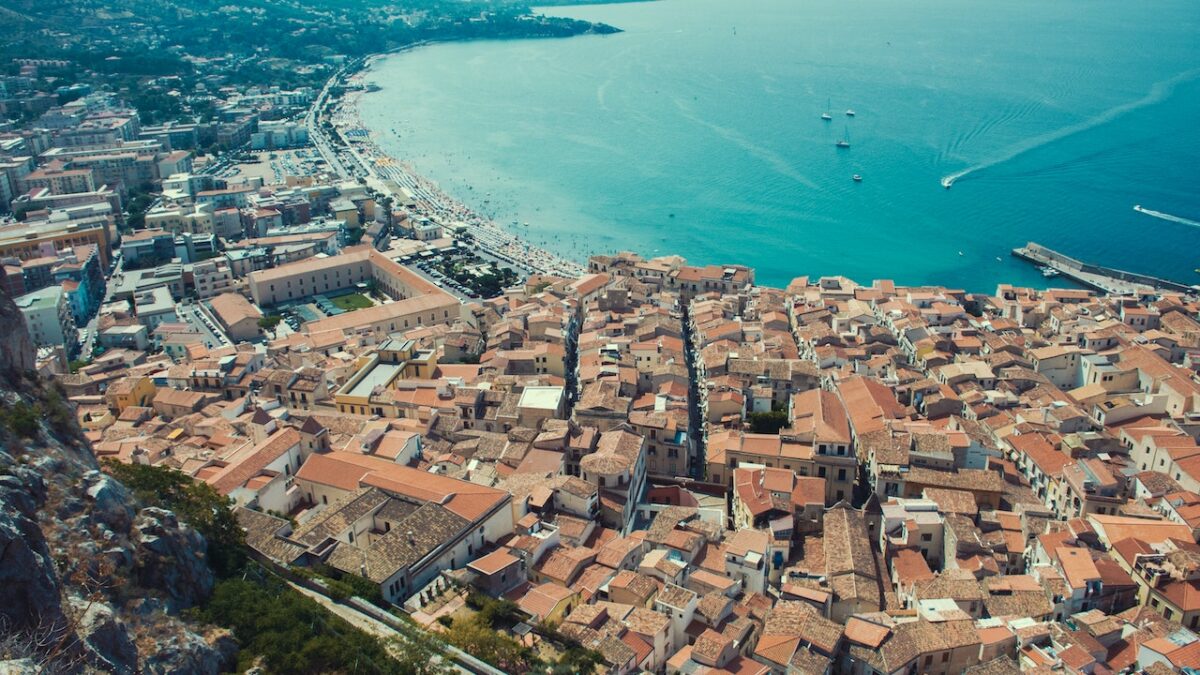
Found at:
[698, 132]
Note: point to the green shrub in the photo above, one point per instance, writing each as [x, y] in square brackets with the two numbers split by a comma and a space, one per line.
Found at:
[20, 419]
[195, 503]
[57, 410]
[768, 422]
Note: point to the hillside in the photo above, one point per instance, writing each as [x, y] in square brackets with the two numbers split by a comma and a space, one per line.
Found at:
[90, 578]
[145, 576]
[290, 29]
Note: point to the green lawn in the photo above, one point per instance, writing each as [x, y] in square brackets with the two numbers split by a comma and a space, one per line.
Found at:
[352, 302]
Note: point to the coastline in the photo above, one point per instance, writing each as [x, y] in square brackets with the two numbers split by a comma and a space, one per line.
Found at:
[430, 200]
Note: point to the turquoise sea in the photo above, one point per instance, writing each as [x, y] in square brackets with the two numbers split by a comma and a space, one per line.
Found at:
[697, 131]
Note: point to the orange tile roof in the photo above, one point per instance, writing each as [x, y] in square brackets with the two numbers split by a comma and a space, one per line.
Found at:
[1118, 528]
[866, 633]
[1077, 566]
[348, 471]
[868, 403]
[231, 308]
[493, 562]
[236, 474]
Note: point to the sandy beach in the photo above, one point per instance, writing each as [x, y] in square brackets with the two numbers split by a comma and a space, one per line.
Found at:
[392, 174]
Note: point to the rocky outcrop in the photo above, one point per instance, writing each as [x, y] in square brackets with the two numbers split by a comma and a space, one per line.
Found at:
[191, 653]
[171, 557]
[108, 643]
[111, 502]
[29, 588]
[17, 353]
[89, 580]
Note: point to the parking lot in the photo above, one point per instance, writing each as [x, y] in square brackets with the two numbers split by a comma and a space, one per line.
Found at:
[199, 319]
[458, 290]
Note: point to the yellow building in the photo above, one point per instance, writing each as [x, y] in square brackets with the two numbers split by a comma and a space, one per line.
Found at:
[135, 391]
[392, 362]
[32, 238]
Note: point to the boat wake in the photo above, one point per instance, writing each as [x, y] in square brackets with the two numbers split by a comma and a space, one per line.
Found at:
[766, 155]
[1166, 216]
[1158, 93]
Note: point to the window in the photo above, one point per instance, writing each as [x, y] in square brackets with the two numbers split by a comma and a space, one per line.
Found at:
[945, 656]
[927, 536]
[841, 474]
[820, 472]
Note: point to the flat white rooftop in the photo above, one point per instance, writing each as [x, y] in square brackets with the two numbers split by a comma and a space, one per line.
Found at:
[379, 375]
[541, 398]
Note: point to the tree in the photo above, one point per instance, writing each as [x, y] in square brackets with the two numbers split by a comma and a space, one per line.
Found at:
[480, 640]
[269, 322]
[768, 422]
[495, 612]
[420, 654]
[578, 660]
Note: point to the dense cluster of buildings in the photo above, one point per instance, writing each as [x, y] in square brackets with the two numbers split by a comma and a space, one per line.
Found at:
[86, 275]
[688, 472]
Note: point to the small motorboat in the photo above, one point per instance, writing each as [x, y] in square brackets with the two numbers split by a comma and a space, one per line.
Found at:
[856, 178]
[850, 113]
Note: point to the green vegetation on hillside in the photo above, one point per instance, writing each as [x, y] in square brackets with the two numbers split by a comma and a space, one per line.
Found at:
[286, 632]
[277, 628]
[22, 420]
[140, 49]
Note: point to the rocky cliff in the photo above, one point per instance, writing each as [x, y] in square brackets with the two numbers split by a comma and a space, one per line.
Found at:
[90, 581]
